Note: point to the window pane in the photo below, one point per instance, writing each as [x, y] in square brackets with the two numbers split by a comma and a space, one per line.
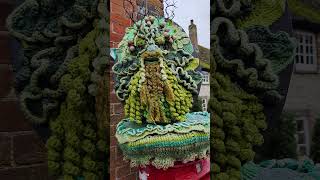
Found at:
[307, 49]
[307, 59]
[311, 59]
[301, 59]
[300, 125]
[301, 138]
[297, 59]
[301, 49]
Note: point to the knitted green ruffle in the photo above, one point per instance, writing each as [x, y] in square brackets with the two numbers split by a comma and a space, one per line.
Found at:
[281, 169]
[278, 47]
[162, 145]
[244, 61]
[247, 13]
[48, 32]
[128, 131]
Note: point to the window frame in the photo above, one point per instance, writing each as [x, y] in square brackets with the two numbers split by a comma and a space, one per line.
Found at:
[204, 104]
[304, 133]
[307, 53]
[205, 79]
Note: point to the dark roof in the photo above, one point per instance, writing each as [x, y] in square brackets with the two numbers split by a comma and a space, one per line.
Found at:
[204, 56]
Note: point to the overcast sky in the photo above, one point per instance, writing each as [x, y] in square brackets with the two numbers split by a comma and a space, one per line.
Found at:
[199, 11]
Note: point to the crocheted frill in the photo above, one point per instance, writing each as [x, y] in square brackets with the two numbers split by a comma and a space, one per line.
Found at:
[163, 145]
[281, 169]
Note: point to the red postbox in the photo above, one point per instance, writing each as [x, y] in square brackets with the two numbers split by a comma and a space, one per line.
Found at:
[195, 170]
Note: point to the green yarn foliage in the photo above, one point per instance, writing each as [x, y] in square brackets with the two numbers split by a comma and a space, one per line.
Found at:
[76, 125]
[237, 119]
[244, 62]
[278, 47]
[247, 13]
[304, 10]
[48, 32]
[281, 169]
[156, 72]
[262, 12]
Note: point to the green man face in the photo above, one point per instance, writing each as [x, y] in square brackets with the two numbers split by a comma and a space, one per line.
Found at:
[155, 72]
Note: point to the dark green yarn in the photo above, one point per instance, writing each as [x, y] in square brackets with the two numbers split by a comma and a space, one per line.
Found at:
[244, 62]
[59, 74]
[48, 32]
[281, 169]
[279, 48]
[237, 118]
[77, 120]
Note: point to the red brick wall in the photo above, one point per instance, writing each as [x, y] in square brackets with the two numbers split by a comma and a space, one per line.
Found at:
[22, 154]
[118, 23]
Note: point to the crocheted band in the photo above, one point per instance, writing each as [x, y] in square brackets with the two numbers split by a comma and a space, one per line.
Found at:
[163, 145]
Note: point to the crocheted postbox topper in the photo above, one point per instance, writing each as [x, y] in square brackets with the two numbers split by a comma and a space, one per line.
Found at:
[156, 79]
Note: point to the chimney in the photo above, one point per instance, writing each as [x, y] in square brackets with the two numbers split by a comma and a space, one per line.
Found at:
[193, 36]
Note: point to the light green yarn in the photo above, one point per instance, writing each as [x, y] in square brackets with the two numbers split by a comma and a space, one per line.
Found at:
[162, 145]
[264, 13]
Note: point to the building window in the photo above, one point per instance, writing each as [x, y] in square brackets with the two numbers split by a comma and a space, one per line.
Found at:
[306, 52]
[302, 138]
[205, 79]
[204, 104]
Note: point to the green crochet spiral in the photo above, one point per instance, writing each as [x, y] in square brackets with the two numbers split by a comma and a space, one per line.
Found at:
[48, 31]
[237, 119]
[76, 126]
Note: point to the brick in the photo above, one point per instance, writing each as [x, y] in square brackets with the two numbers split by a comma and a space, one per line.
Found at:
[132, 176]
[117, 9]
[118, 108]
[6, 80]
[28, 149]
[116, 37]
[5, 150]
[112, 174]
[123, 20]
[114, 98]
[12, 119]
[115, 119]
[117, 2]
[35, 172]
[112, 157]
[112, 110]
[118, 29]
[122, 171]
[113, 129]
[113, 141]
